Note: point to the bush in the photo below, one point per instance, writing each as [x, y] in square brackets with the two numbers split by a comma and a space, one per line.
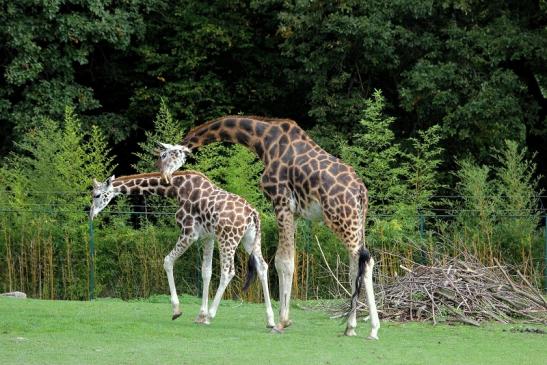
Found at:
[44, 233]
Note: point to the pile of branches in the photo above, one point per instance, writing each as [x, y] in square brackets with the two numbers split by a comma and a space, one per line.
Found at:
[457, 289]
[464, 290]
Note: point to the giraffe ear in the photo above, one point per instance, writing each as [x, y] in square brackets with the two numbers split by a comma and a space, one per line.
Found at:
[110, 180]
[164, 146]
[96, 184]
[186, 150]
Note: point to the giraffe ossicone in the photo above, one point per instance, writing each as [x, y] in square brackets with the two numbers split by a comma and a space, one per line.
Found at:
[299, 178]
[205, 212]
[171, 158]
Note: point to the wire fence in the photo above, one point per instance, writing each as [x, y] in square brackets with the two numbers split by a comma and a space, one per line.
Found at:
[425, 219]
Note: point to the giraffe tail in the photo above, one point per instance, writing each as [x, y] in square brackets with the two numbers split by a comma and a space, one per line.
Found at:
[364, 254]
[251, 272]
[364, 258]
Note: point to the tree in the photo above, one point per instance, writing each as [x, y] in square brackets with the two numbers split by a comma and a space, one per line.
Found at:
[166, 130]
[55, 165]
[45, 45]
[377, 158]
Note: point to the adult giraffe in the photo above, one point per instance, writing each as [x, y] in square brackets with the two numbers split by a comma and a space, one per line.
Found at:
[299, 178]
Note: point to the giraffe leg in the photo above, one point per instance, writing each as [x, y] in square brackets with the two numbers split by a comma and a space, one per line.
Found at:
[262, 269]
[252, 244]
[374, 320]
[284, 263]
[206, 271]
[352, 318]
[182, 245]
[226, 275]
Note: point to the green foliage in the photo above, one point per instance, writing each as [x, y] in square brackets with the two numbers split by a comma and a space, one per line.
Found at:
[475, 77]
[338, 49]
[476, 216]
[518, 190]
[48, 46]
[475, 69]
[166, 130]
[210, 60]
[400, 182]
[468, 73]
[242, 176]
[59, 157]
[500, 211]
[48, 186]
[129, 261]
[422, 166]
[376, 156]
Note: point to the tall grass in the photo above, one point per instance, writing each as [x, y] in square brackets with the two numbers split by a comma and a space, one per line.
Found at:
[54, 264]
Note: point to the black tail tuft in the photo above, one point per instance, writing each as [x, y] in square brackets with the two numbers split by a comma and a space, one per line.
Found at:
[364, 258]
[251, 272]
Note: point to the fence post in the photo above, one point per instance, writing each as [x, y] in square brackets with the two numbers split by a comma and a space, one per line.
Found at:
[545, 255]
[91, 261]
[422, 224]
[307, 248]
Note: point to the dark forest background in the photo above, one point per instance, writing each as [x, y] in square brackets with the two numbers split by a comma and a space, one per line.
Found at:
[478, 69]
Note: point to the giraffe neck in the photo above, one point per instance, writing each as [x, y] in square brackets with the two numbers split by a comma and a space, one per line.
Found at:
[257, 134]
[142, 185]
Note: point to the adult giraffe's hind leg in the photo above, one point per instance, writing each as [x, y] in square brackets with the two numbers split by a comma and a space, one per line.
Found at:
[284, 263]
[369, 291]
[352, 317]
[373, 312]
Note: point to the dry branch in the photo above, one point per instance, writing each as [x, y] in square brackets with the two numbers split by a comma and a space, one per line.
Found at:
[459, 289]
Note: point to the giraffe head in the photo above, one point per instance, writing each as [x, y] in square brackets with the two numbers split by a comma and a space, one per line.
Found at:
[102, 195]
[171, 158]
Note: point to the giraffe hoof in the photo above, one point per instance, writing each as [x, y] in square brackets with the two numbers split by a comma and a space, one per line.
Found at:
[277, 330]
[202, 319]
[176, 315]
[372, 338]
[286, 323]
[270, 326]
[350, 332]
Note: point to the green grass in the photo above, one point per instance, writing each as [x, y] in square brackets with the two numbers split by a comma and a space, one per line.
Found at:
[142, 332]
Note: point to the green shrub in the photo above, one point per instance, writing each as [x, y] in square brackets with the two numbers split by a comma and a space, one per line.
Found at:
[44, 237]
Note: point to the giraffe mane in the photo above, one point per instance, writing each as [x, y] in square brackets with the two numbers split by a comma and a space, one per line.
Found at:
[157, 174]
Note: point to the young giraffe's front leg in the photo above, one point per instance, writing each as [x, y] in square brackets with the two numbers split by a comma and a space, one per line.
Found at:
[182, 245]
[206, 272]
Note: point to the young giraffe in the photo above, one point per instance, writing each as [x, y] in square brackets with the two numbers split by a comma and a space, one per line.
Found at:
[299, 178]
[205, 212]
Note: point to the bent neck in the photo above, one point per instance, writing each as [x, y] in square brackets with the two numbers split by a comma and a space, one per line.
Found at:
[257, 134]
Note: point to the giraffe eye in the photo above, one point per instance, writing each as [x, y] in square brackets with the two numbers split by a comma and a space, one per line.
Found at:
[97, 196]
[163, 155]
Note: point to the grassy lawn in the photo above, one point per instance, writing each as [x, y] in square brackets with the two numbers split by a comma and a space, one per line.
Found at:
[141, 332]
